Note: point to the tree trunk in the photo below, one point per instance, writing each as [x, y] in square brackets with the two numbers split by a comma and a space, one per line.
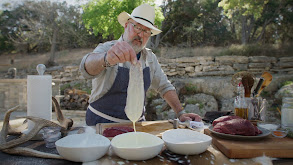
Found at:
[233, 29]
[263, 29]
[243, 30]
[51, 61]
[249, 28]
[157, 40]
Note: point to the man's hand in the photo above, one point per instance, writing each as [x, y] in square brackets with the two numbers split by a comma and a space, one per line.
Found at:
[120, 53]
[189, 116]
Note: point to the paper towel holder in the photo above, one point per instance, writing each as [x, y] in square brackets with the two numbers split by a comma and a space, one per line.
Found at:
[41, 68]
[39, 94]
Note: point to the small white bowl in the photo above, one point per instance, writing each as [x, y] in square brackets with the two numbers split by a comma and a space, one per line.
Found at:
[83, 147]
[268, 125]
[186, 142]
[136, 145]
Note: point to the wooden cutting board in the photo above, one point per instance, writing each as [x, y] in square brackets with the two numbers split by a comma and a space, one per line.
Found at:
[270, 146]
[153, 127]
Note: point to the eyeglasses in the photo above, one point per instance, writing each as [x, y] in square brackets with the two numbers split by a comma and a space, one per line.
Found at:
[138, 29]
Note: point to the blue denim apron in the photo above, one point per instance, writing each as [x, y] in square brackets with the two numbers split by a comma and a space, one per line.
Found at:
[114, 101]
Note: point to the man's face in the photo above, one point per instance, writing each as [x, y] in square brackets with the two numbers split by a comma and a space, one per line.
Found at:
[136, 35]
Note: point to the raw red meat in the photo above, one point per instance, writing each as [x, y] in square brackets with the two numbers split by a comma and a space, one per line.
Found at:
[257, 131]
[113, 131]
[237, 126]
[225, 118]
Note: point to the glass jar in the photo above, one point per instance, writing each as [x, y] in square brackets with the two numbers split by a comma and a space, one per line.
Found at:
[287, 112]
[240, 108]
[240, 103]
[257, 109]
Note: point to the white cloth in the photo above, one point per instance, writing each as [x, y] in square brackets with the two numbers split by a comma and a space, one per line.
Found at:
[196, 124]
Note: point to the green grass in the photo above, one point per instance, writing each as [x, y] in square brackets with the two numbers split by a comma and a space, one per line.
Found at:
[190, 88]
[192, 101]
[276, 50]
[289, 82]
[271, 50]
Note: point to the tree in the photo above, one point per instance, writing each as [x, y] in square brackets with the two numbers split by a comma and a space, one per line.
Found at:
[275, 25]
[178, 14]
[44, 25]
[193, 22]
[5, 29]
[254, 16]
[101, 15]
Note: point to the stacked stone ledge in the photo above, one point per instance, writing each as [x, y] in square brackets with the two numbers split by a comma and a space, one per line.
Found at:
[225, 65]
[13, 91]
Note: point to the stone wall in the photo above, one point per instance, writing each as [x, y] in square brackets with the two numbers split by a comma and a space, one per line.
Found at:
[13, 91]
[200, 66]
[225, 65]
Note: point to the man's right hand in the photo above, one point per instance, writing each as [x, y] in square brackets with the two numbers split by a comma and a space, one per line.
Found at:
[120, 53]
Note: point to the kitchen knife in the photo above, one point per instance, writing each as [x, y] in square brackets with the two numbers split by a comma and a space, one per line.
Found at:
[260, 82]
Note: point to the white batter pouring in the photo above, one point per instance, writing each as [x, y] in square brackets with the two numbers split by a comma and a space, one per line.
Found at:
[135, 94]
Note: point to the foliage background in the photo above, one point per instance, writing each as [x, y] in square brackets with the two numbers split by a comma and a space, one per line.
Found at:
[235, 27]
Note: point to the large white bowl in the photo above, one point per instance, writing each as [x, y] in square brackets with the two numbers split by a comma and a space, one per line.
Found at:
[136, 145]
[186, 142]
[83, 147]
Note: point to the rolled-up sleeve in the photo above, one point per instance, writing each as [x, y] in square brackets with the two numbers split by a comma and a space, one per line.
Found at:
[102, 82]
[160, 80]
[102, 47]
[83, 72]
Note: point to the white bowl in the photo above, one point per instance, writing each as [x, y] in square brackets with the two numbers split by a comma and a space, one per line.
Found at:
[271, 126]
[186, 142]
[136, 145]
[83, 147]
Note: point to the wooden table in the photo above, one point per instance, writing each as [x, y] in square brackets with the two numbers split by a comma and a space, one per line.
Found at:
[211, 156]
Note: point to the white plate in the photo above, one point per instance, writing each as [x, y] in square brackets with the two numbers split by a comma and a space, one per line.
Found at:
[264, 134]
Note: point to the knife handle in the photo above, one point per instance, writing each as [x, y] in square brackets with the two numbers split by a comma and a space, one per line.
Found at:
[261, 80]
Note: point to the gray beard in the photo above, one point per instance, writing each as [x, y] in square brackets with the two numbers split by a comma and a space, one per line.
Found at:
[136, 48]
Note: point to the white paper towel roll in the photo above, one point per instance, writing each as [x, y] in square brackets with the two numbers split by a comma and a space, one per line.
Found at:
[39, 97]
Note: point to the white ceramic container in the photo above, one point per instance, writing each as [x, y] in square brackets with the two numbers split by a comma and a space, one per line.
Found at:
[136, 145]
[186, 142]
[83, 147]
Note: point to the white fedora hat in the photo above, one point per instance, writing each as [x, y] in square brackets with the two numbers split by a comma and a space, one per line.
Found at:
[143, 14]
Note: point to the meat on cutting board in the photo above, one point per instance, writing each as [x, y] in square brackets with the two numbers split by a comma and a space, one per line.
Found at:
[224, 118]
[237, 126]
[113, 131]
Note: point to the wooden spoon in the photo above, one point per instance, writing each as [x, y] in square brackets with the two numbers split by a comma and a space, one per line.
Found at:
[247, 82]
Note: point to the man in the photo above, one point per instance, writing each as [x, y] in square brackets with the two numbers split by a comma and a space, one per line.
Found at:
[108, 65]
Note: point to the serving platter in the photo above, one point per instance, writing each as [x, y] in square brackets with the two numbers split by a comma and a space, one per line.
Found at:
[265, 133]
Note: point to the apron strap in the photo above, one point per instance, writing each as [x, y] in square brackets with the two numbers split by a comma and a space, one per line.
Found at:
[147, 62]
[107, 116]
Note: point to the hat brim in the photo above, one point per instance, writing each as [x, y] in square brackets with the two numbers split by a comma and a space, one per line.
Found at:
[123, 17]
